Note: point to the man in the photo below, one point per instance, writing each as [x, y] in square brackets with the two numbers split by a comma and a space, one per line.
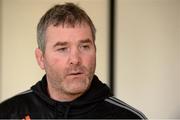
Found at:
[70, 89]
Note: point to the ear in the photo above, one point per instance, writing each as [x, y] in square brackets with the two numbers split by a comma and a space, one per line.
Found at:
[39, 58]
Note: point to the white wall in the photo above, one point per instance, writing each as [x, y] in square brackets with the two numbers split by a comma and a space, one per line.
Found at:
[148, 56]
[19, 19]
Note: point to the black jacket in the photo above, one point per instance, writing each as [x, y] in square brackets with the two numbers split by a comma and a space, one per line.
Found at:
[97, 102]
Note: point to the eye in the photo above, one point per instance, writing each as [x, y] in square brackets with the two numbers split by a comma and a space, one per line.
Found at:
[85, 47]
[63, 49]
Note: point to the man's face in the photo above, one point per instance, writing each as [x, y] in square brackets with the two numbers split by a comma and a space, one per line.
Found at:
[70, 58]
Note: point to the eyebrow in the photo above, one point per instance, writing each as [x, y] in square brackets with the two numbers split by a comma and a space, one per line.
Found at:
[86, 41]
[60, 44]
[66, 43]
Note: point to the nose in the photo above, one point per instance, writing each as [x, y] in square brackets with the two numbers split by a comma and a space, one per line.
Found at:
[74, 57]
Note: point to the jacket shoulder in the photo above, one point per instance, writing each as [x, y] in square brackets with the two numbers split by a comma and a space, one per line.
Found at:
[12, 105]
[121, 109]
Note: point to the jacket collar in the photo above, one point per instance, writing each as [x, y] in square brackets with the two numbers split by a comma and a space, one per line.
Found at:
[96, 93]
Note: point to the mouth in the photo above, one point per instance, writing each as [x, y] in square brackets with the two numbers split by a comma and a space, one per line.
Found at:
[75, 74]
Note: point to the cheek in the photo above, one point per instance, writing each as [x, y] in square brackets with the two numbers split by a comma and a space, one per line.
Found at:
[90, 61]
[56, 63]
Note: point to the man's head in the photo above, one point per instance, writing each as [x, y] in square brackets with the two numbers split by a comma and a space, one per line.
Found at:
[65, 14]
[66, 50]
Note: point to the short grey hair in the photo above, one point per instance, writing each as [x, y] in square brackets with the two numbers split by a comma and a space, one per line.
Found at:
[69, 14]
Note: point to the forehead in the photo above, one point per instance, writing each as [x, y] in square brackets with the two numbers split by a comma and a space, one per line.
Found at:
[66, 31]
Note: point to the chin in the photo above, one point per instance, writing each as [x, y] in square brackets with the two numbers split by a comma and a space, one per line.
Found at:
[78, 87]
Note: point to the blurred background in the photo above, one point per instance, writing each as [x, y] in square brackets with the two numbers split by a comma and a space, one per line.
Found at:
[147, 50]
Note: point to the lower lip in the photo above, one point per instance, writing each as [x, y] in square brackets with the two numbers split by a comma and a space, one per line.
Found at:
[75, 75]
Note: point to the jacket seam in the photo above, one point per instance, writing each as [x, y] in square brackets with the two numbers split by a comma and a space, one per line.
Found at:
[119, 103]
